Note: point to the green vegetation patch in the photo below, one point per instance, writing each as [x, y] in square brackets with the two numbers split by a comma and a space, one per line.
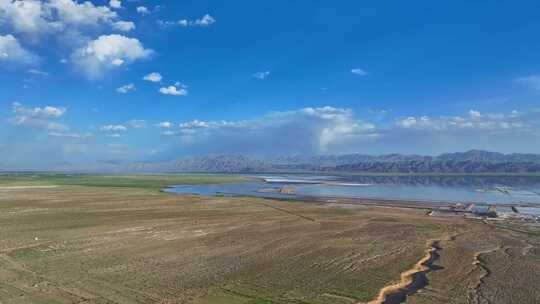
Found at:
[158, 181]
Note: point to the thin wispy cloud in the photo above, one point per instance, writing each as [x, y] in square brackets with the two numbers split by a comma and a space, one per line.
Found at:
[168, 133]
[114, 128]
[137, 123]
[261, 75]
[37, 72]
[359, 72]
[71, 135]
[164, 125]
[126, 88]
[531, 81]
[204, 21]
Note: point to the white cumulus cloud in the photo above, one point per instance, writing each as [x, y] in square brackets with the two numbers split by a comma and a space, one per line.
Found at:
[123, 26]
[32, 17]
[475, 121]
[38, 112]
[178, 89]
[29, 17]
[316, 130]
[115, 4]
[73, 13]
[38, 117]
[12, 52]
[153, 77]
[69, 23]
[108, 52]
[306, 130]
[143, 10]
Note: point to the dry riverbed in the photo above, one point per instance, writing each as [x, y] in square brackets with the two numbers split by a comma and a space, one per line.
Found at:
[75, 244]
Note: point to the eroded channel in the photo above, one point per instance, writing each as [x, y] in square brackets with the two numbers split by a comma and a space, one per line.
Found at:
[412, 280]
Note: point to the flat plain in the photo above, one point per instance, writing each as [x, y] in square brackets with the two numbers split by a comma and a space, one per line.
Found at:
[118, 239]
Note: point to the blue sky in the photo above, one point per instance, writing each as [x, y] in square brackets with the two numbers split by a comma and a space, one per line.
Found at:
[265, 78]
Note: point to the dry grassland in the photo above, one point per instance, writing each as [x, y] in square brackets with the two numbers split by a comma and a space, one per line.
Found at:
[75, 244]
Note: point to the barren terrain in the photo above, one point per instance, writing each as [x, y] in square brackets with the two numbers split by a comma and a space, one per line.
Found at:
[88, 244]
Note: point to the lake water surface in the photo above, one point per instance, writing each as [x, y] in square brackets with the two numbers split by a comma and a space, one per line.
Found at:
[478, 189]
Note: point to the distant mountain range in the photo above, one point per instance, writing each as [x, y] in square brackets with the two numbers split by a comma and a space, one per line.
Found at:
[473, 161]
[470, 162]
[472, 155]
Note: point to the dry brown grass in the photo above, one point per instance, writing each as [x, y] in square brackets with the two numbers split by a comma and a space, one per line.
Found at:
[121, 245]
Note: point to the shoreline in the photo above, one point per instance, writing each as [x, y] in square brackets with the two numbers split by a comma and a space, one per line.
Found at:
[372, 201]
[308, 172]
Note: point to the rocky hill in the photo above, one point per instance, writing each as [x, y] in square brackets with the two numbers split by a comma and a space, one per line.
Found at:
[470, 162]
[473, 161]
[486, 156]
[440, 166]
